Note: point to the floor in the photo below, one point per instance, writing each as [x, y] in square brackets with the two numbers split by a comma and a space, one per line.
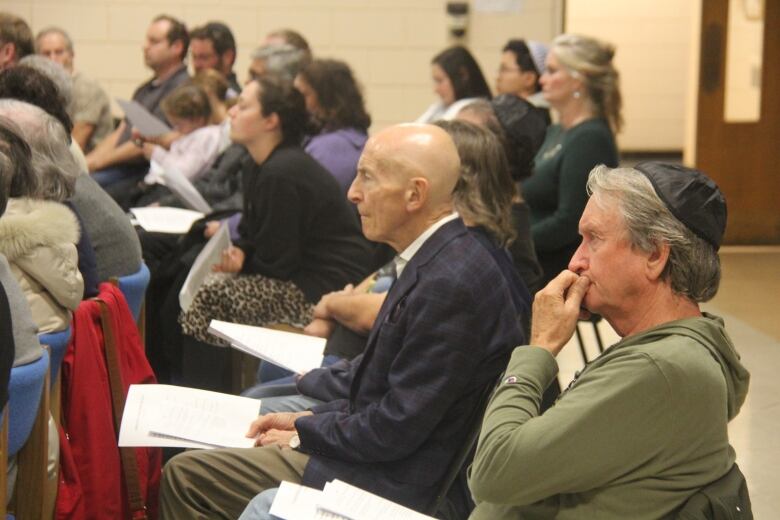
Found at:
[749, 301]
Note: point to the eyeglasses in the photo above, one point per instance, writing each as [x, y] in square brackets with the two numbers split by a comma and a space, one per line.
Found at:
[505, 70]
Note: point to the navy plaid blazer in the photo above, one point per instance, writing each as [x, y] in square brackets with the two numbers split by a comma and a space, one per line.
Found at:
[444, 332]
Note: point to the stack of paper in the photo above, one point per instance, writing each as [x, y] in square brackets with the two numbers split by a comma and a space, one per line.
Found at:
[185, 190]
[166, 220]
[338, 501]
[295, 352]
[143, 120]
[210, 255]
[176, 416]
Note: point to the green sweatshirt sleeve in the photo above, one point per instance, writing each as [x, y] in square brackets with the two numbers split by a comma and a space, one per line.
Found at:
[579, 443]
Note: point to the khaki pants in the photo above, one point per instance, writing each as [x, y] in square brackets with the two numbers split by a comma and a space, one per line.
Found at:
[220, 483]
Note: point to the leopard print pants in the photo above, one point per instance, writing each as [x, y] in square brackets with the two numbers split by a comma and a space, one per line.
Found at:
[251, 299]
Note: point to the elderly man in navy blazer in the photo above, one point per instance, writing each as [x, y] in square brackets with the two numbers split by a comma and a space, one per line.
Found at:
[442, 338]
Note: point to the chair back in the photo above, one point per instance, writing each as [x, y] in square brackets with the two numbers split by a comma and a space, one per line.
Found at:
[24, 395]
[58, 344]
[463, 458]
[133, 286]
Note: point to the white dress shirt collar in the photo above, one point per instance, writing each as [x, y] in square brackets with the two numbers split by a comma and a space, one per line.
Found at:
[406, 255]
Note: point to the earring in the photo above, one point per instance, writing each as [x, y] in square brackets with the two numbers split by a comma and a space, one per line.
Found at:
[576, 94]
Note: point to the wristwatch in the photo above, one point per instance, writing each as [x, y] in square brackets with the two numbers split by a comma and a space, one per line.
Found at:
[295, 441]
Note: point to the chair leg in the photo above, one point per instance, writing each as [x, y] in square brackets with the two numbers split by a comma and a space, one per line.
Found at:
[32, 459]
[244, 369]
[3, 461]
[596, 333]
[581, 343]
[55, 398]
[142, 323]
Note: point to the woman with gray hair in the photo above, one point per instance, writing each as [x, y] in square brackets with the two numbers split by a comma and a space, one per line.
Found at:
[117, 251]
[38, 234]
[581, 84]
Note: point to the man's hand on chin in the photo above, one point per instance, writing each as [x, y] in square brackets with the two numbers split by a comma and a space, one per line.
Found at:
[556, 310]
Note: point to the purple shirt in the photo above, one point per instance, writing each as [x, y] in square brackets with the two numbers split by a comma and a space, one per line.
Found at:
[338, 152]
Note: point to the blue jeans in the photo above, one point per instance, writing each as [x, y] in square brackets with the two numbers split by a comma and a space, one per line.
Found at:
[293, 402]
[270, 374]
[114, 174]
[259, 507]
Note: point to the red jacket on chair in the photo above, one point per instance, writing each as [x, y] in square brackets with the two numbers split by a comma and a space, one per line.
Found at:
[98, 489]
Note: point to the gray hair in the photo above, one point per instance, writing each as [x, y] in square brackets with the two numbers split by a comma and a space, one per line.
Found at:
[281, 59]
[52, 161]
[693, 267]
[54, 71]
[54, 30]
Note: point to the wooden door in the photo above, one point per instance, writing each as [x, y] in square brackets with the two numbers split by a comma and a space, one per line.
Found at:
[743, 158]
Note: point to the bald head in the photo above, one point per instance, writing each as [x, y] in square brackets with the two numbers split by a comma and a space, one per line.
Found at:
[415, 150]
[405, 181]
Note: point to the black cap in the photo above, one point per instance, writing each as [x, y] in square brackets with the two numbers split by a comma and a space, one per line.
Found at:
[691, 196]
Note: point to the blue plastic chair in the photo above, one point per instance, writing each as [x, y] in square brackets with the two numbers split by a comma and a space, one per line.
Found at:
[58, 344]
[24, 396]
[133, 286]
[28, 407]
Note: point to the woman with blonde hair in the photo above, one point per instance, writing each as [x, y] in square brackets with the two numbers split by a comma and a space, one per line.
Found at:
[581, 84]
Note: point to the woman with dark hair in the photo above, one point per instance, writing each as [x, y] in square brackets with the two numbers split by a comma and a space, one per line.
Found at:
[335, 103]
[299, 238]
[457, 80]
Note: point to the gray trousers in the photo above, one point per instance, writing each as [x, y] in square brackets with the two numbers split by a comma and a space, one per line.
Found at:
[220, 483]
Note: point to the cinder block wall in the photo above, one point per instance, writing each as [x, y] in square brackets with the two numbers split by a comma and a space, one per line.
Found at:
[389, 43]
[654, 40]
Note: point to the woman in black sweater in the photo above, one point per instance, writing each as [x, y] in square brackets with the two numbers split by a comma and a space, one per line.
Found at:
[299, 239]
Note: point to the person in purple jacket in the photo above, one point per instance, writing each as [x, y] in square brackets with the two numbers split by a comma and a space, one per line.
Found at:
[335, 103]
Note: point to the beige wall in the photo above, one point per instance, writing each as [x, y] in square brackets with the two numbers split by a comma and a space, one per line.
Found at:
[654, 40]
[389, 43]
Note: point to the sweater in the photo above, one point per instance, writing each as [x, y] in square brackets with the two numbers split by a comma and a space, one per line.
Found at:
[298, 226]
[641, 429]
[338, 151]
[556, 190]
[116, 245]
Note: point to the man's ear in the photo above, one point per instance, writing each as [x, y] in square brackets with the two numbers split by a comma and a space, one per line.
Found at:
[657, 260]
[178, 46]
[528, 78]
[416, 193]
[7, 52]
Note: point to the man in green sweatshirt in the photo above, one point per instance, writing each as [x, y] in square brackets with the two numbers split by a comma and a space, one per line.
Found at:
[644, 426]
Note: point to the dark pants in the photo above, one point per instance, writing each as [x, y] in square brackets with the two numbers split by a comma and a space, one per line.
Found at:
[120, 181]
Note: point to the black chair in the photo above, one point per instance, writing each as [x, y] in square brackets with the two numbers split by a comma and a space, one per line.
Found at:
[593, 320]
[725, 499]
[462, 459]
